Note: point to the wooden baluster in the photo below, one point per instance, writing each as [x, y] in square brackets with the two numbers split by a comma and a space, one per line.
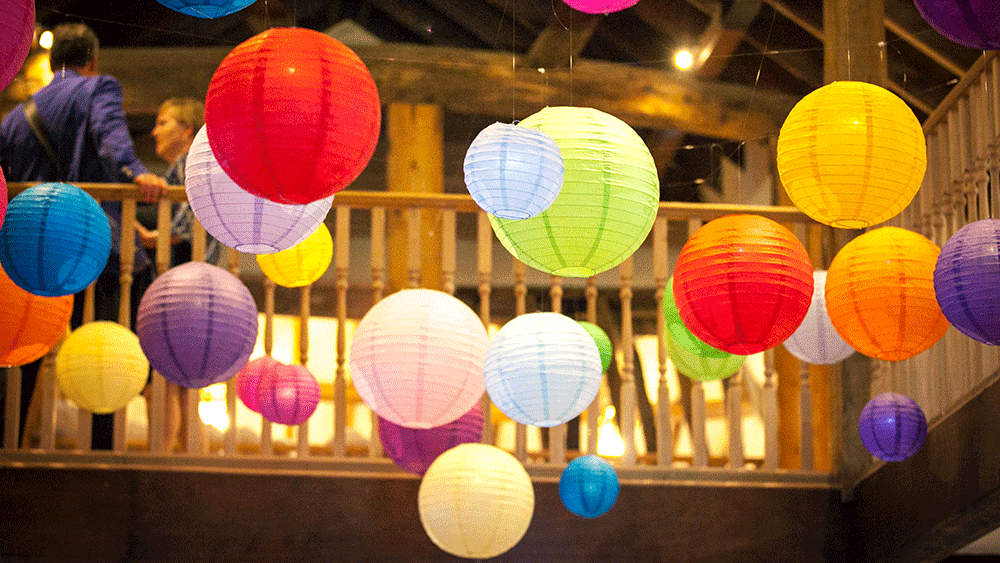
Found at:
[942, 203]
[266, 444]
[159, 423]
[699, 440]
[47, 379]
[958, 117]
[302, 447]
[378, 288]
[993, 158]
[343, 264]
[805, 418]
[770, 412]
[978, 128]
[520, 307]
[927, 194]
[661, 273]
[448, 251]
[484, 249]
[628, 399]
[126, 262]
[734, 417]
[557, 434]
[594, 410]
[413, 241]
[12, 408]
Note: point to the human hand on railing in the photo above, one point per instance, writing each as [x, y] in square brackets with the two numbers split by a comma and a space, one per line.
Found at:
[151, 186]
[147, 236]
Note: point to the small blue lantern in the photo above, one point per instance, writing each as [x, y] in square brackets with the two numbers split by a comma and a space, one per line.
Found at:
[513, 172]
[55, 240]
[207, 9]
[588, 486]
[892, 427]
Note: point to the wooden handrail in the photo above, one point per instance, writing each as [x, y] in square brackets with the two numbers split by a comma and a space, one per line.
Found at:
[961, 88]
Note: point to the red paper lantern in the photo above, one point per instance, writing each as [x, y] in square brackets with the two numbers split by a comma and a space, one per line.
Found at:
[743, 283]
[292, 115]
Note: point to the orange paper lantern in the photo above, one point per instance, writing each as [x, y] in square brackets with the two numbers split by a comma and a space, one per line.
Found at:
[880, 294]
[30, 325]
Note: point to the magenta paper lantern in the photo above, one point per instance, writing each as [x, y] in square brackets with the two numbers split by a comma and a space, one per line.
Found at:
[601, 6]
[197, 324]
[3, 198]
[248, 379]
[287, 394]
[238, 219]
[417, 358]
[973, 23]
[816, 341]
[17, 27]
[415, 449]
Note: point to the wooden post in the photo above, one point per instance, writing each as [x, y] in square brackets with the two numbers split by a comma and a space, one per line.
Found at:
[484, 249]
[378, 288]
[342, 264]
[664, 430]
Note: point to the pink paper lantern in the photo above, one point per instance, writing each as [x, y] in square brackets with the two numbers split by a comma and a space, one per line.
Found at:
[17, 27]
[287, 394]
[601, 6]
[3, 198]
[415, 449]
[248, 380]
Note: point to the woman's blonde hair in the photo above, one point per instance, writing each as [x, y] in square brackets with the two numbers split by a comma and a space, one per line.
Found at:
[187, 111]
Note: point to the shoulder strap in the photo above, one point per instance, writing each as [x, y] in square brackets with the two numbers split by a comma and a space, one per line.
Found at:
[38, 128]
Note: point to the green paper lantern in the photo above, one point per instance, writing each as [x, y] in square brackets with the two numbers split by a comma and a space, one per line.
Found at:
[680, 333]
[603, 343]
[700, 368]
[608, 200]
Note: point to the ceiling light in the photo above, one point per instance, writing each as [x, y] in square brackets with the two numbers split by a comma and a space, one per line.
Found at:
[45, 41]
[683, 59]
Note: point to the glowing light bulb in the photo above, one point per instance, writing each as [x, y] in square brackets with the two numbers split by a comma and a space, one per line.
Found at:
[45, 40]
[609, 440]
[683, 59]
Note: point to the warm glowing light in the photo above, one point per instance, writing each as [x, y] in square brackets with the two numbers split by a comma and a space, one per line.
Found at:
[683, 59]
[609, 440]
[45, 40]
[212, 407]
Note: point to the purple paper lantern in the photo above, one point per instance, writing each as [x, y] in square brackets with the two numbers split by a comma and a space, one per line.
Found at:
[287, 394]
[414, 449]
[248, 379]
[17, 27]
[892, 427]
[239, 219]
[197, 324]
[965, 280]
[973, 23]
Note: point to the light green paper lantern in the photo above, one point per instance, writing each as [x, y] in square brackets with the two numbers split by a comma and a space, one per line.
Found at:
[607, 203]
[603, 343]
[680, 333]
[699, 368]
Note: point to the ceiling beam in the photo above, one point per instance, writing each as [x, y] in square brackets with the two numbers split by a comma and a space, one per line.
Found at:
[563, 39]
[426, 24]
[485, 23]
[928, 51]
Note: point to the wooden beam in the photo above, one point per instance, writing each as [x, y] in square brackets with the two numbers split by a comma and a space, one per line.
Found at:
[485, 23]
[928, 51]
[563, 39]
[427, 24]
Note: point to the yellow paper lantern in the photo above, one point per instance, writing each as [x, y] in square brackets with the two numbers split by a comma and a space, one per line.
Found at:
[101, 367]
[851, 155]
[301, 264]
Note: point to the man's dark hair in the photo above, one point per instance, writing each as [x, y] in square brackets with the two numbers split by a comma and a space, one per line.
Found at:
[73, 46]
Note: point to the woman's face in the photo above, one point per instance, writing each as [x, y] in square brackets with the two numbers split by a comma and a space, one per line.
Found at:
[172, 137]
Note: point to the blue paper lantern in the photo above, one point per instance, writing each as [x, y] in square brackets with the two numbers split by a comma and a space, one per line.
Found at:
[208, 9]
[892, 427]
[542, 369]
[513, 172]
[55, 240]
[965, 280]
[588, 486]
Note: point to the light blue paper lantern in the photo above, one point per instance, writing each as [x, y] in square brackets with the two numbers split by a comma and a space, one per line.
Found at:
[55, 240]
[513, 172]
[542, 369]
[816, 341]
[588, 486]
[208, 9]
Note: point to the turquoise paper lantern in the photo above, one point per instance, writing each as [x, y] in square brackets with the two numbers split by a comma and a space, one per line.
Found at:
[588, 486]
[207, 9]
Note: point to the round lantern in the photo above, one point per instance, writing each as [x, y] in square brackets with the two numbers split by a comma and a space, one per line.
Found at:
[197, 324]
[238, 219]
[55, 240]
[588, 486]
[816, 341]
[417, 358]
[208, 9]
[287, 394]
[513, 172]
[680, 334]
[542, 369]
[414, 449]
[701, 368]
[742, 283]
[3, 198]
[476, 501]
[30, 325]
[100, 366]
[301, 264]
[602, 341]
[293, 115]
[880, 294]
[248, 380]
[892, 427]
[607, 203]
[973, 23]
[966, 277]
[17, 27]
[601, 6]
[851, 155]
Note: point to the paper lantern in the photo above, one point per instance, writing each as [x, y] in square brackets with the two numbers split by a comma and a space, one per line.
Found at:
[197, 324]
[588, 486]
[287, 394]
[301, 264]
[414, 449]
[100, 366]
[880, 294]
[892, 427]
[607, 203]
[742, 283]
[417, 358]
[513, 172]
[680, 334]
[966, 277]
[973, 23]
[238, 219]
[476, 501]
[816, 341]
[701, 368]
[208, 9]
[248, 380]
[293, 115]
[17, 27]
[851, 155]
[30, 324]
[601, 6]
[602, 341]
[3, 198]
[542, 369]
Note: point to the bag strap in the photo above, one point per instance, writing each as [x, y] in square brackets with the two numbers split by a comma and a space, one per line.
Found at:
[38, 128]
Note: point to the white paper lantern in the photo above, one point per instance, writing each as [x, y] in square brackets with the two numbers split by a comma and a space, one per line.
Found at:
[816, 341]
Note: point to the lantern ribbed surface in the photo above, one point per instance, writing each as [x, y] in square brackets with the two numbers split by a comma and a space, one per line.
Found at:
[880, 294]
[966, 277]
[607, 203]
[742, 283]
[973, 23]
[55, 240]
[207, 9]
[30, 325]
[197, 324]
[476, 501]
[248, 380]
[17, 27]
[414, 449]
[542, 369]
[851, 155]
[816, 341]
[3, 198]
[293, 115]
[513, 172]
[601, 6]
[588, 486]
[100, 366]
[892, 427]
[239, 219]
[417, 358]
[602, 341]
[701, 368]
[680, 334]
[287, 394]
[301, 264]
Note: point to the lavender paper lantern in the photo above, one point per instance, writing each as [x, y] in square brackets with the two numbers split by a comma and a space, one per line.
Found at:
[197, 324]
[414, 449]
[238, 219]
[248, 379]
[287, 394]
[816, 341]
[973, 23]
[966, 276]
[17, 27]
[588, 486]
[892, 427]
